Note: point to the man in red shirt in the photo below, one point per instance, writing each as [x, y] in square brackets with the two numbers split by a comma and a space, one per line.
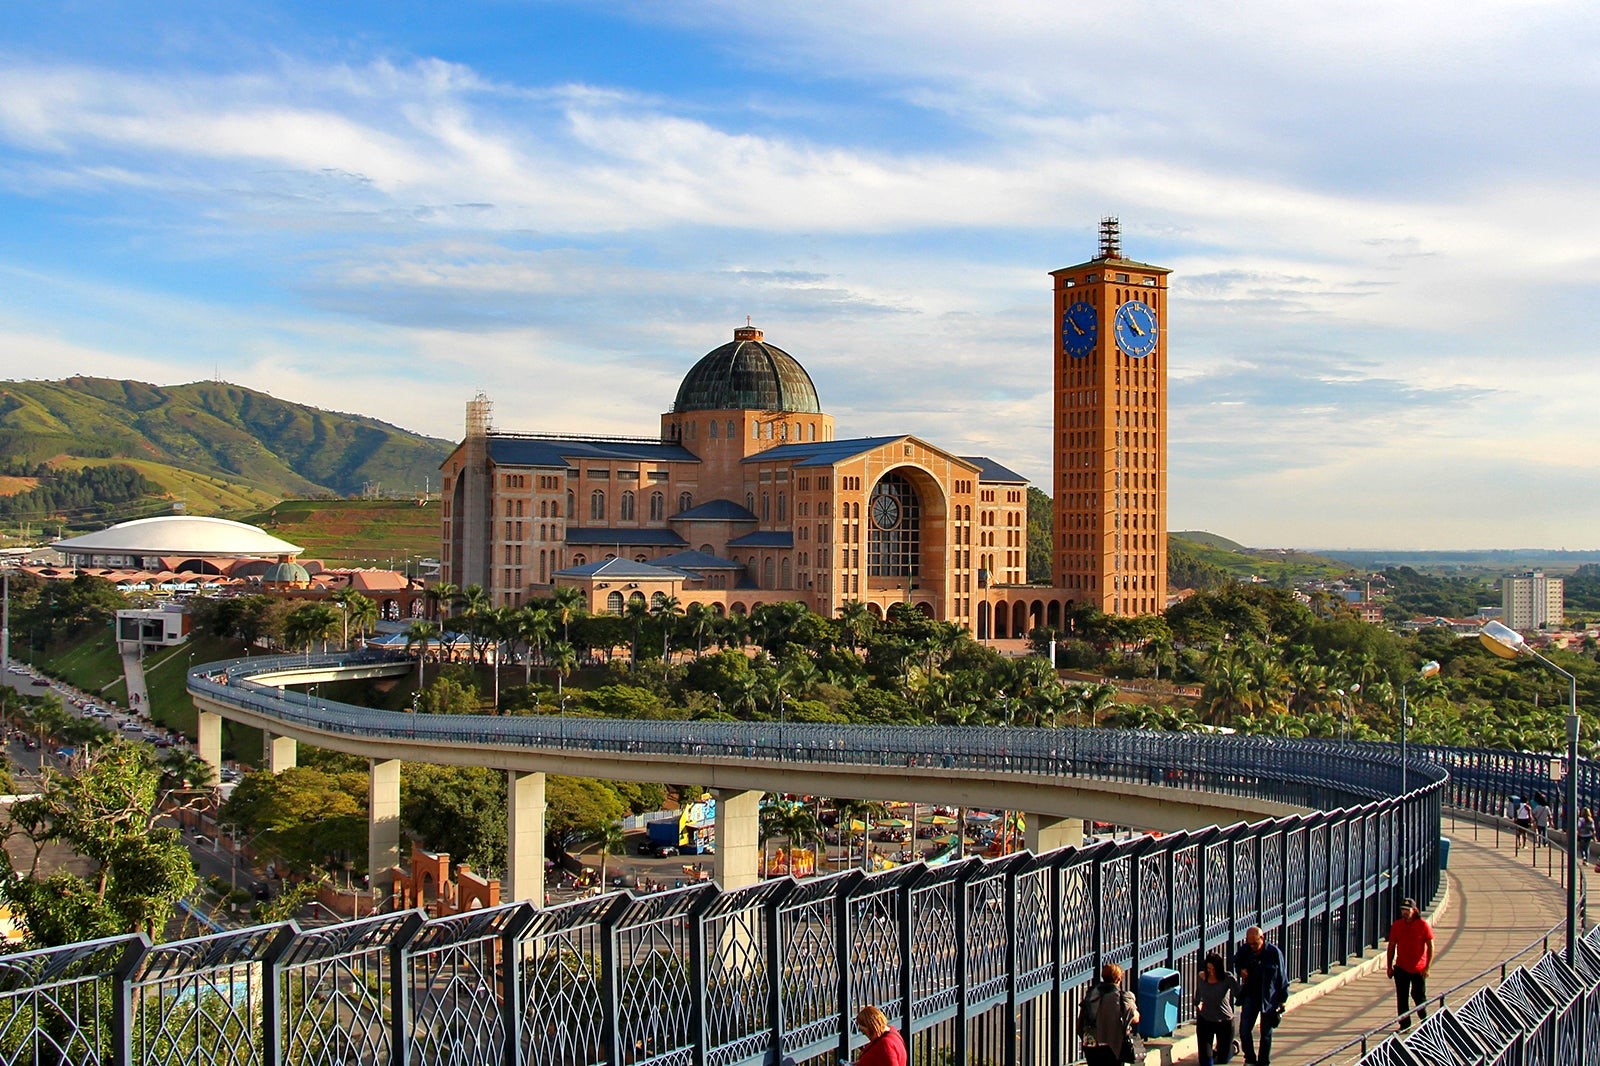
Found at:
[1410, 957]
[885, 1047]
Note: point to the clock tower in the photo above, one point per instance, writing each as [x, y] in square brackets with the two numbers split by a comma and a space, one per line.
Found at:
[1110, 534]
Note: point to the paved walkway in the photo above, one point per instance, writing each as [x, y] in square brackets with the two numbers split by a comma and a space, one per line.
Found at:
[1496, 904]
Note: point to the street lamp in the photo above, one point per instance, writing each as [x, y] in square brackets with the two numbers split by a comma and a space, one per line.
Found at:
[1508, 644]
[1427, 670]
[1348, 699]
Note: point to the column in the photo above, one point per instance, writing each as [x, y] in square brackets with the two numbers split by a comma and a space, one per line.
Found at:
[738, 858]
[383, 822]
[1048, 832]
[524, 838]
[279, 752]
[208, 739]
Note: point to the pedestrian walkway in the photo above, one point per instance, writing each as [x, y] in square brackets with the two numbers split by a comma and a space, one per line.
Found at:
[1497, 903]
[133, 675]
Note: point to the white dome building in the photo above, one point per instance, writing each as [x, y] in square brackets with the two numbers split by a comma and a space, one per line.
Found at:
[154, 543]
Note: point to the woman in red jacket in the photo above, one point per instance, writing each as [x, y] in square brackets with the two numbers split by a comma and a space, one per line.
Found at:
[884, 1048]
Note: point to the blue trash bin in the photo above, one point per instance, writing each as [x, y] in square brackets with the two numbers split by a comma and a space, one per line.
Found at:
[1158, 995]
[1444, 853]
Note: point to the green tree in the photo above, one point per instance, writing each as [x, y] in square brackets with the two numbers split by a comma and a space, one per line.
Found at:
[107, 813]
[457, 809]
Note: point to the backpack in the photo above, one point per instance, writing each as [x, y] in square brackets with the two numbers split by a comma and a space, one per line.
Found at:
[1088, 1015]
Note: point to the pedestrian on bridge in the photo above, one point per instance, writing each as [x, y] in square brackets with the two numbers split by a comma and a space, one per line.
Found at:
[1410, 957]
[884, 1044]
[1215, 1010]
[1263, 991]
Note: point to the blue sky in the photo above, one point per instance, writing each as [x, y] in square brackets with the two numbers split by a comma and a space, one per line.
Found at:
[1382, 221]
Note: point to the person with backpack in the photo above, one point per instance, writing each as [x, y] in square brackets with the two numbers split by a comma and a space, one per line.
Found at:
[1263, 991]
[1106, 1019]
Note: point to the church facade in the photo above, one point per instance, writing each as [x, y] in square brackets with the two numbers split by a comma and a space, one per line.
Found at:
[746, 496]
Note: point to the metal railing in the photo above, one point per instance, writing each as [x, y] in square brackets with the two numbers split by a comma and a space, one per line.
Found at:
[975, 961]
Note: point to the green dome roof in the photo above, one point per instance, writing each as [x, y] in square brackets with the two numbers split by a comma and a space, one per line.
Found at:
[747, 374]
[286, 574]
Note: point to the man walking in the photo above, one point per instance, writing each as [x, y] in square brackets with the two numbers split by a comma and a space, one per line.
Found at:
[1263, 990]
[1410, 956]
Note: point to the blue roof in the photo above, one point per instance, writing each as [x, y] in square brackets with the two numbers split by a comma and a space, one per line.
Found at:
[763, 538]
[555, 451]
[620, 568]
[625, 537]
[715, 511]
[697, 560]
[989, 470]
[822, 452]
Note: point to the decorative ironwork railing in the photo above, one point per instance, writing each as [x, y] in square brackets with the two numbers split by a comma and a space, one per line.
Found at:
[1547, 1014]
[976, 961]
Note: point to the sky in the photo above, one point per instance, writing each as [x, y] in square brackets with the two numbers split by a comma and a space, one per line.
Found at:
[1381, 218]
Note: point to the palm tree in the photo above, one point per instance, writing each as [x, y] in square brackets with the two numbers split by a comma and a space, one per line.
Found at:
[666, 609]
[420, 635]
[793, 821]
[856, 621]
[702, 621]
[355, 608]
[473, 606]
[309, 623]
[609, 841]
[636, 611]
[183, 768]
[564, 657]
[534, 626]
[438, 596]
[865, 812]
[566, 601]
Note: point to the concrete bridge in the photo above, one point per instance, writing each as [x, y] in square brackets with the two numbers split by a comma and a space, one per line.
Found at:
[1058, 777]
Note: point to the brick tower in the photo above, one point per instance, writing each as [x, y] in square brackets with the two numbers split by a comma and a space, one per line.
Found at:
[1110, 546]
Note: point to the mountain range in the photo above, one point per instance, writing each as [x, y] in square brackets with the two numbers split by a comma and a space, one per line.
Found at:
[218, 448]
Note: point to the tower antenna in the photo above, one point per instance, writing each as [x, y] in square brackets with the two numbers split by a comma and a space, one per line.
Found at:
[1110, 238]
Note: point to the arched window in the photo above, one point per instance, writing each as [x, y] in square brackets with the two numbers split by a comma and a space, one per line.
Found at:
[894, 539]
[641, 558]
[658, 506]
[614, 603]
[597, 505]
[685, 501]
[572, 504]
[766, 573]
[784, 578]
[657, 599]
[750, 502]
[783, 507]
[579, 560]
[712, 429]
[731, 431]
[811, 431]
[766, 506]
[627, 506]
[637, 597]
[707, 549]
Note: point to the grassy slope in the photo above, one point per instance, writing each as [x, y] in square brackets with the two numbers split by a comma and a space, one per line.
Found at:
[93, 665]
[248, 446]
[1270, 565]
[355, 532]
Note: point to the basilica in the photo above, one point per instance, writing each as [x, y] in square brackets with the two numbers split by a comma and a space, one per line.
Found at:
[746, 496]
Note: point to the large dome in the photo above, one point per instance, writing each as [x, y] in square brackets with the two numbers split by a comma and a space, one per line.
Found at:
[747, 374]
[178, 535]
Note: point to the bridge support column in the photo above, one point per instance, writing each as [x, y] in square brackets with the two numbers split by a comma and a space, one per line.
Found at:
[738, 859]
[383, 822]
[524, 838]
[208, 740]
[280, 753]
[1046, 832]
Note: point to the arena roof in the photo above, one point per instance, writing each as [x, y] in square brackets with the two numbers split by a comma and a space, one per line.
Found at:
[178, 535]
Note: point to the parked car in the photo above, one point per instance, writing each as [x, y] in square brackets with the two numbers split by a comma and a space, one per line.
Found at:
[664, 850]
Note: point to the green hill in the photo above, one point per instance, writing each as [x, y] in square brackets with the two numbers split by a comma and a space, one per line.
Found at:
[219, 448]
[391, 534]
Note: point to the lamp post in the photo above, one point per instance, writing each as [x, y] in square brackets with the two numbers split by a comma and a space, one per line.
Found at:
[1508, 644]
[1348, 699]
[1427, 670]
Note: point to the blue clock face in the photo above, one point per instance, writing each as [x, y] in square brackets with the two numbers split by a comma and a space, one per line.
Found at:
[1136, 329]
[1080, 329]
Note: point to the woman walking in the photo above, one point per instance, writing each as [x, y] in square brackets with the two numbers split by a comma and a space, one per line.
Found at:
[1215, 1010]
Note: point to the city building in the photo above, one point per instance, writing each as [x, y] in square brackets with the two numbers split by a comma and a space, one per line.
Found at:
[745, 495]
[1532, 601]
[1111, 431]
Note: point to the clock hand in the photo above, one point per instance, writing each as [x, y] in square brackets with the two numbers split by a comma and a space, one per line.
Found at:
[1135, 327]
